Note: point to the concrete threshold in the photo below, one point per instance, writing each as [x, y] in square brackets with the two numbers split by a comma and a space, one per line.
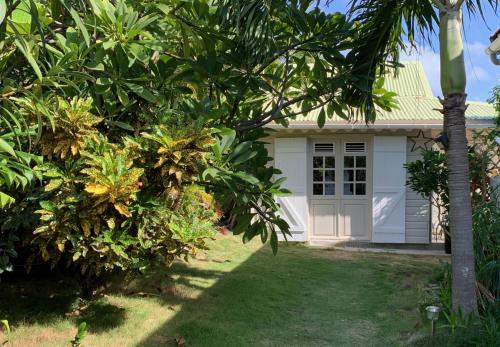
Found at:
[392, 251]
[363, 246]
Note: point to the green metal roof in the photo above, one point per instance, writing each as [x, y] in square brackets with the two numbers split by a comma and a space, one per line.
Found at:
[415, 101]
[409, 81]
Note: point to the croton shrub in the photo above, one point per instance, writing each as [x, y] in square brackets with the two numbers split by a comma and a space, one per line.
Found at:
[142, 199]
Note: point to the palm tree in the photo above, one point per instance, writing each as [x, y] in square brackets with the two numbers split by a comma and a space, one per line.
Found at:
[387, 26]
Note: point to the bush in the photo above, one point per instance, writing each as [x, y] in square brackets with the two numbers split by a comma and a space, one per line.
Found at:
[104, 207]
[486, 227]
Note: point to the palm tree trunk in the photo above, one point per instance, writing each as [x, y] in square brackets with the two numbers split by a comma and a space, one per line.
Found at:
[462, 250]
[453, 83]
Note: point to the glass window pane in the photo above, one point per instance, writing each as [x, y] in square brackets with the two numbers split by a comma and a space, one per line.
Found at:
[318, 175]
[361, 161]
[348, 189]
[348, 175]
[318, 189]
[360, 175]
[330, 162]
[329, 175]
[330, 189]
[360, 188]
[317, 162]
[349, 161]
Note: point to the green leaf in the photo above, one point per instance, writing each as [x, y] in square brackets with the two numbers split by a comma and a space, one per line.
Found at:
[239, 150]
[211, 171]
[142, 92]
[216, 149]
[82, 330]
[274, 242]
[242, 223]
[76, 256]
[5, 323]
[109, 44]
[122, 125]
[6, 200]
[48, 205]
[264, 234]
[80, 334]
[22, 44]
[5, 147]
[247, 177]
[321, 118]
[80, 25]
[20, 19]
[104, 81]
[3, 10]
[119, 251]
[164, 8]
[122, 96]
[103, 85]
[53, 185]
[228, 137]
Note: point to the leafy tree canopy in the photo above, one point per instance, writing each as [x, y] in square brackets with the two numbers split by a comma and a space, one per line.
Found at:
[133, 113]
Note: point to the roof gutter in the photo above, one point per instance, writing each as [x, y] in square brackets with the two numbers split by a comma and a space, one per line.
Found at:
[344, 126]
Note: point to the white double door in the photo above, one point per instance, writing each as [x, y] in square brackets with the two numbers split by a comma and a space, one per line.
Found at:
[340, 188]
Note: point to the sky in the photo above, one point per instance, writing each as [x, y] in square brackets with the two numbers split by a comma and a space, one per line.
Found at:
[482, 75]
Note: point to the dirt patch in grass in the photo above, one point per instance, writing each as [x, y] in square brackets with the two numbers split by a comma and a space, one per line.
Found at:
[47, 336]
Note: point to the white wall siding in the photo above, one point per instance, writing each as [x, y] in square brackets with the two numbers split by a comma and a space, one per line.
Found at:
[417, 208]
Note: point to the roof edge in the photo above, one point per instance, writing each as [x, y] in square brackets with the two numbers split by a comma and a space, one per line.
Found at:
[472, 124]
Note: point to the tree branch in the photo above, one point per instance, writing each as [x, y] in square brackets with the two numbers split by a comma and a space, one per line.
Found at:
[283, 51]
[310, 109]
[14, 92]
[269, 115]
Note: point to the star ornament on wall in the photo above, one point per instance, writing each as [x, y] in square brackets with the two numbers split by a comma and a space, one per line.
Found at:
[420, 141]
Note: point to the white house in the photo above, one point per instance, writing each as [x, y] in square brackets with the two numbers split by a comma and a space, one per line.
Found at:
[348, 181]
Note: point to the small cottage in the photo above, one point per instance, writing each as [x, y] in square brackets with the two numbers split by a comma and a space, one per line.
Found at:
[348, 181]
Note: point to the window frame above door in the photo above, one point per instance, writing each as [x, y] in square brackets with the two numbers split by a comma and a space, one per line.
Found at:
[311, 169]
[354, 168]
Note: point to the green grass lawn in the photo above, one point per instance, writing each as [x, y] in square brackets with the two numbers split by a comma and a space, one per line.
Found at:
[235, 295]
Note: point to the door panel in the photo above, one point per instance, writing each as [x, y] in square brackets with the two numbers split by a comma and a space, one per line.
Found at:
[355, 218]
[324, 220]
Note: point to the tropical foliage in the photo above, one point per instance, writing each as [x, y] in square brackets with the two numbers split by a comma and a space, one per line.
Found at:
[429, 175]
[139, 124]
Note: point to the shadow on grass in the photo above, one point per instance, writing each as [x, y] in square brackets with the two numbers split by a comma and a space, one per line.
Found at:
[298, 299]
[101, 317]
[47, 297]
[36, 299]
[44, 299]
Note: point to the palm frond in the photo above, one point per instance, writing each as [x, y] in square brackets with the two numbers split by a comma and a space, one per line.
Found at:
[388, 27]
